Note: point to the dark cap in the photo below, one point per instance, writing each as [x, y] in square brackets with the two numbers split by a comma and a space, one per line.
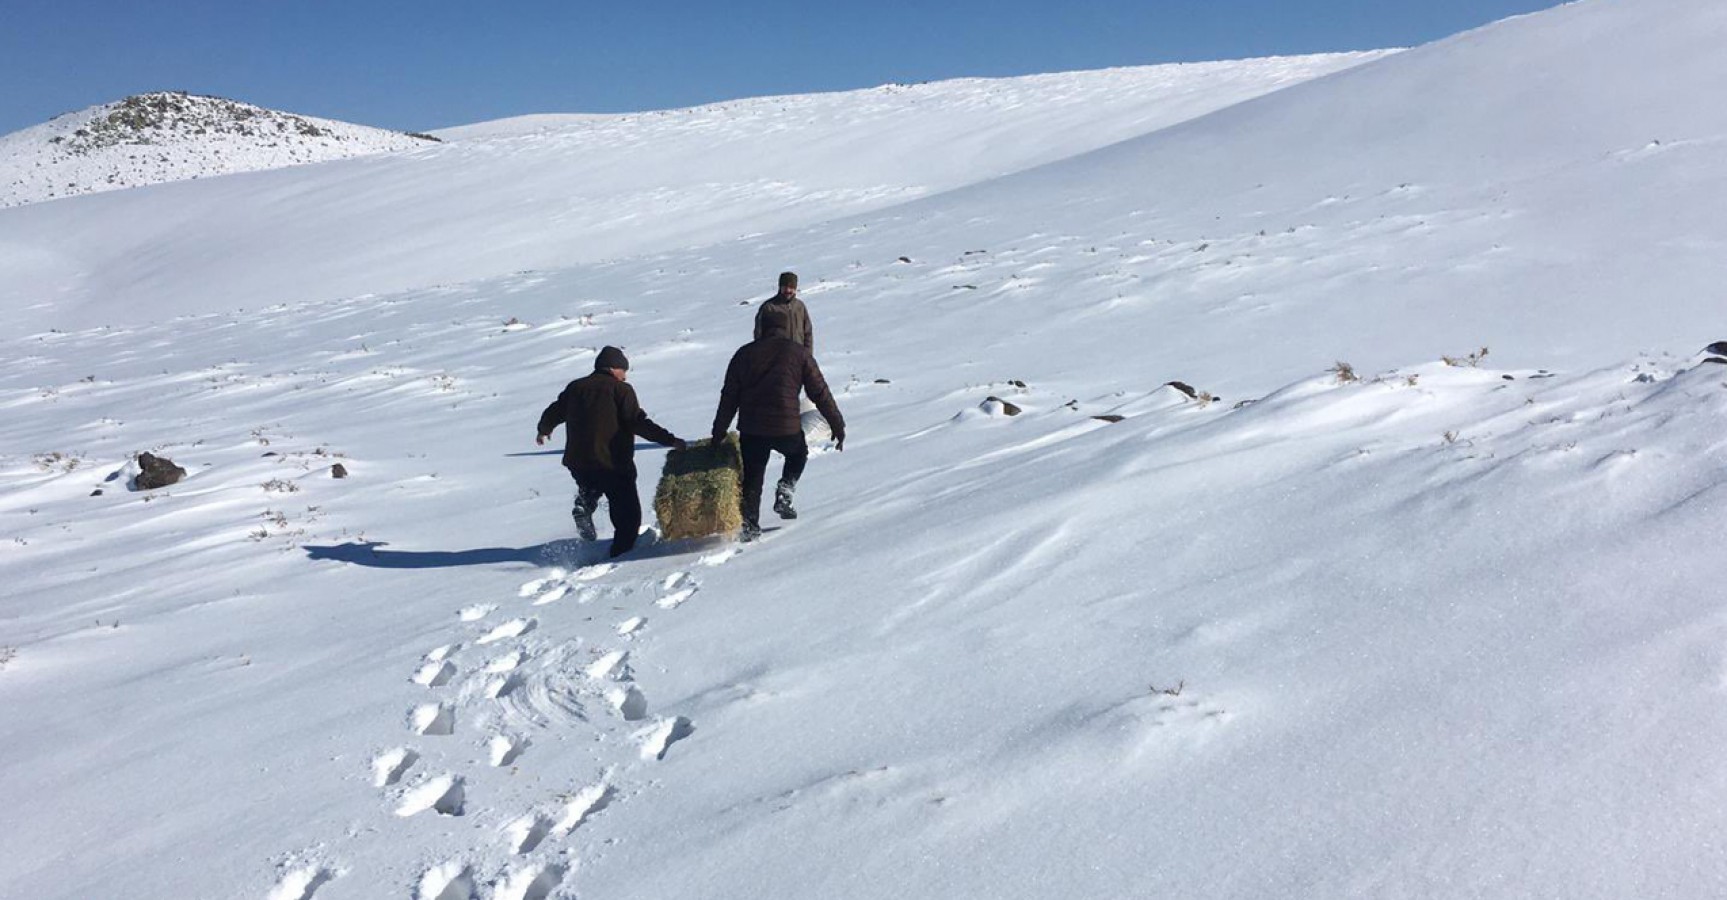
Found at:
[611, 358]
[788, 279]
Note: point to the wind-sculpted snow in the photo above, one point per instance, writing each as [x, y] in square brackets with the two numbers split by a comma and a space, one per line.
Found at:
[1125, 597]
[1349, 539]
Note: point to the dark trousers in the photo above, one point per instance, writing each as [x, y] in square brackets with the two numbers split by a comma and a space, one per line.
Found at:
[618, 486]
[756, 449]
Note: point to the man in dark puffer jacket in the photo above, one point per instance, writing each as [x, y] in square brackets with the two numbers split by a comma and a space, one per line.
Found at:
[602, 420]
[762, 385]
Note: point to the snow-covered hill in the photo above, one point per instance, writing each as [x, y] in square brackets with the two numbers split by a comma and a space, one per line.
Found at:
[553, 191]
[1416, 591]
[172, 136]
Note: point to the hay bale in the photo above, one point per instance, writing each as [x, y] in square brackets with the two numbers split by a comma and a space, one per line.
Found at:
[816, 429]
[701, 490]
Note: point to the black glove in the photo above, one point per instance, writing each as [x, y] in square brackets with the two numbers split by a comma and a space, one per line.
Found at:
[840, 440]
[680, 444]
[718, 438]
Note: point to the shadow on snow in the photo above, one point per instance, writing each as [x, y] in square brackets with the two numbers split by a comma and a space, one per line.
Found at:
[570, 554]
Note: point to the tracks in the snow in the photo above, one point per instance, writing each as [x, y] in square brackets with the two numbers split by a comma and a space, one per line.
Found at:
[504, 680]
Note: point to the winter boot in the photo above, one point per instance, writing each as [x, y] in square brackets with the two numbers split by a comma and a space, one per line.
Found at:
[584, 520]
[750, 532]
[783, 499]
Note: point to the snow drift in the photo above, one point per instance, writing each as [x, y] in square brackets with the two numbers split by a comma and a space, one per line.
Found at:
[554, 191]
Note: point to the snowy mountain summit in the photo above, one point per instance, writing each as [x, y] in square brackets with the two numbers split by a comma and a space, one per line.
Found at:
[172, 136]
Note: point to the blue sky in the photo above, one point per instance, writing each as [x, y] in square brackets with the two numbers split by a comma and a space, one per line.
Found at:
[439, 63]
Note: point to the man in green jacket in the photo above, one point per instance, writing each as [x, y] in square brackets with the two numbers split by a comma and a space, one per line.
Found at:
[796, 316]
[601, 421]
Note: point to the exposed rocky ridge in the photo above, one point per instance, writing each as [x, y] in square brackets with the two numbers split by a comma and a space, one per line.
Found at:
[172, 136]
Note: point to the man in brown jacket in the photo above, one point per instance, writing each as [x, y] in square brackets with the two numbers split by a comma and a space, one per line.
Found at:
[602, 420]
[797, 316]
[762, 385]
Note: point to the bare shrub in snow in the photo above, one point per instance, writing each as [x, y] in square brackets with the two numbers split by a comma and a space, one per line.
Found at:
[57, 461]
[1473, 360]
[1345, 373]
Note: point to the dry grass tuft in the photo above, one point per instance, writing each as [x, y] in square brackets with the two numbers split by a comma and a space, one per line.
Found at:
[701, 490]
[1472, 361]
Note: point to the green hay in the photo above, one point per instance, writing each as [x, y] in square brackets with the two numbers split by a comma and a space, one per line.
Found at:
[701, 490]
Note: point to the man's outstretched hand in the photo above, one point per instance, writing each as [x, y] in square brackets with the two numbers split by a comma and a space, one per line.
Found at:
[680, 444]
[840, 442]
[540, 439]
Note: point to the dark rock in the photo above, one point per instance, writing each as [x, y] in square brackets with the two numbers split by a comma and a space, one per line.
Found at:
[882, 381]
[96, 493]
[1006, 407]
[1717, 360]
[338, 471]
[1508, 377]
[270, 453]
[1112, 418]
[1719, 348]
[905, 259]
[1183, 387]
[156, 472]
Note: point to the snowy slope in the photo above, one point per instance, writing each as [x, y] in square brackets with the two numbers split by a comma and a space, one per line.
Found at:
[1440, 630]
[172, 136]
[1522, 187]
[509, 197]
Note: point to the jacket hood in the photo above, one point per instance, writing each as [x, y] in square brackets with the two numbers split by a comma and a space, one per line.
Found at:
[775, 322]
